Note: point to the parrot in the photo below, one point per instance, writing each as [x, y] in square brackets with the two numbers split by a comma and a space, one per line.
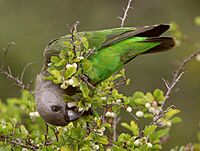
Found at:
[113, 48]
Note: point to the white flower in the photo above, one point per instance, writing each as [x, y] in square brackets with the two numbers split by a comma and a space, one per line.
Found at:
[139, 114]
[157, 111]
[129, 109]
[152, 109]
[49, 64]
[63, 85]
[75, 65]
[198, 57]
[149, 145]
[110, 114]
[95, 147]
[70, 82]
[103, 98]
[81, 57]
[69, 66]
[103, 129]
[169, 124]
[147, 105]
[100, 133]
[80, 109]
[137, 142]
[34, 114]
[24, 149]
[118, 101]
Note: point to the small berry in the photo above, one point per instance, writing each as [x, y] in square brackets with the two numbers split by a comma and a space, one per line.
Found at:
[129, 109]
[95, 147]
[33, 114]
[81, 57]
[149, 145]
[110, 114]
[169, 124]
[70, 82]
[152, 109]
[147, 105]
[118, 101]
[103, 98]
[137, 142]
[198, 57]
[139, 114]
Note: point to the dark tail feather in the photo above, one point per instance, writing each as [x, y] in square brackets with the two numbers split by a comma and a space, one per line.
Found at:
[166, 43]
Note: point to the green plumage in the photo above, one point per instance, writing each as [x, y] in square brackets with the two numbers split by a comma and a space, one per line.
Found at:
[115, 47]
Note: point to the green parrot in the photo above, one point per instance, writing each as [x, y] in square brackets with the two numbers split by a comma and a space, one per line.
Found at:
[113, 48]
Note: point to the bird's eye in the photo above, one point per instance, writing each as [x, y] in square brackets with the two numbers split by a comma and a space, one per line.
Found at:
[56, 108]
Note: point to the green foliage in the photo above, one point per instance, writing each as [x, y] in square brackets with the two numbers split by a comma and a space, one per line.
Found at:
[24, 128]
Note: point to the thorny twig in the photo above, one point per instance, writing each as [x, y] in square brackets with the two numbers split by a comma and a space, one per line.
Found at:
[177, 75]
[125, 13]
[170, 85]
[18, 142]
[5, 70]
[73, 30]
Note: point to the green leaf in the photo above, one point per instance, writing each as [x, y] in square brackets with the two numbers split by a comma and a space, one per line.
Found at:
[55, 59]
[176, 120]
[116, 148]
[85, 43]
[103, 140]
[159, 95]
[197, 20]
[132, 127]
[57, 76]
[138, 94]
[69, 72]
[86, 66]
[75, 81]
[161, 133]
[68, 45]
[24, 131]
[135, 128]
[149, 130]
[149, 97]
[171, 113]
[198, 136]
[124, 137]
[85, 90]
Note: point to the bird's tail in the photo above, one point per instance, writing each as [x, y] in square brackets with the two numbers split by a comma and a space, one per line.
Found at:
[165, 44]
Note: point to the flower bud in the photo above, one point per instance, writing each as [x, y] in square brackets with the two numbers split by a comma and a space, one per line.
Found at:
[147, 105]
[139, 114]
[129, 109]
[149, 145]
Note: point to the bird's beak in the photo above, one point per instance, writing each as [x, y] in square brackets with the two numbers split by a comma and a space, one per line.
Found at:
[71, 112]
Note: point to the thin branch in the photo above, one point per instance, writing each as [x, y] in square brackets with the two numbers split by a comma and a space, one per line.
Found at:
[123, 19]
[170, 86]
[6, 71]
[16, 81]
[73, 30]
[5, 53]
[18, 142]
[24, 70]
[177, 75]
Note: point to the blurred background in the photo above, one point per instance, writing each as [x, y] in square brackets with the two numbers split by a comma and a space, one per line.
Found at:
[32, 24]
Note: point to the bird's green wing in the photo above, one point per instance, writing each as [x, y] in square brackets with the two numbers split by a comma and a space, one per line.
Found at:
[95, 39]
[114, 47]
[118, 50]
[103, 38]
